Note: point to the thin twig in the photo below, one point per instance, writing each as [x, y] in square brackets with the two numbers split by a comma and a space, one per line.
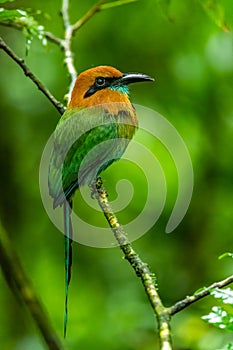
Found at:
[49, 36]
[69, 61]
[116, 4]
[88, 15]
[18, 282]
[141, 268]
[182, 304]
[69, 32]
[59, 106]
[65, 43]
[54, 39]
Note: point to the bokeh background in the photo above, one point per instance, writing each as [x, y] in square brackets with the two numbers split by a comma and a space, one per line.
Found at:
[191, 57]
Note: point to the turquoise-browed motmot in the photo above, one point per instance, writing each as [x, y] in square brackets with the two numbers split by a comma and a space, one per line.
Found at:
[106, 90]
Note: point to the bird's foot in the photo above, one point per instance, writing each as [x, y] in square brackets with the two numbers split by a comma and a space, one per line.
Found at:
[98, 182]
[96, 187]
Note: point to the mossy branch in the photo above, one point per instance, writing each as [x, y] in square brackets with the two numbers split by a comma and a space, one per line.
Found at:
[182, 304]
[141, 268]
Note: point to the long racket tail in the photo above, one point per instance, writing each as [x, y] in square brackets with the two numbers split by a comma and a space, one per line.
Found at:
[68, 255]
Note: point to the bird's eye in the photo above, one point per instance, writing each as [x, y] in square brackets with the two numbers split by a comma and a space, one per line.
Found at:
[100, 82]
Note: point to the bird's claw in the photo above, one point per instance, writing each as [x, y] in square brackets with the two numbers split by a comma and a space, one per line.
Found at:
[96, 187]
[96, 184]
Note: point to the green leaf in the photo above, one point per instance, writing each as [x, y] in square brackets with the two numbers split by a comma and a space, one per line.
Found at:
[216, 12]
[225, 295]
[227, 347]
[9, 15]
[201, 289]
[22, 20]
[116, 3]
[226, 255]
[220, 318]
[3, 1]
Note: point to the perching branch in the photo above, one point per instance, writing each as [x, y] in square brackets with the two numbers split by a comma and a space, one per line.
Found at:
[21, 286]
[141, 268]
[59, 106]
[182, 304]
[163, 314]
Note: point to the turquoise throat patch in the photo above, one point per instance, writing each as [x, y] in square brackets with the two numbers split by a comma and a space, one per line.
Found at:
[121, 88]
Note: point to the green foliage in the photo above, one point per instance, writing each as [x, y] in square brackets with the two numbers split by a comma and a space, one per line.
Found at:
[216, 12]
[230, 255]
[3, 1]
[224, 295]
[215, 9]
[220, 317]
[228, 347]
[25, 21]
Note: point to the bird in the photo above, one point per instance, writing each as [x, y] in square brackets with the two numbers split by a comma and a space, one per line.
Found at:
[99, 111]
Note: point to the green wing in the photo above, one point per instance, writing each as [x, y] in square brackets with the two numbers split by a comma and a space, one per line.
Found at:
[85, 144]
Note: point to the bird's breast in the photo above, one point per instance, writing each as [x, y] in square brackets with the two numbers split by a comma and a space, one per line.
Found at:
[127, 122]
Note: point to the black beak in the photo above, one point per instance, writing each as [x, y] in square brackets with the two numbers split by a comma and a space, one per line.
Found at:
[129, 78]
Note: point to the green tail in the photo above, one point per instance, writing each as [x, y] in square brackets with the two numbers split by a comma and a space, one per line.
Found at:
[68, 255]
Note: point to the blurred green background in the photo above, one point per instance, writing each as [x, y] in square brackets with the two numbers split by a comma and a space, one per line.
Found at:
[191, 58]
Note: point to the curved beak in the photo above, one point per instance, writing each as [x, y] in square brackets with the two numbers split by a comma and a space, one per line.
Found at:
[129, 78]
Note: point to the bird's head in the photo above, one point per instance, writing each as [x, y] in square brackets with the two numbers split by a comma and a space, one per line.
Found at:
[103, 84]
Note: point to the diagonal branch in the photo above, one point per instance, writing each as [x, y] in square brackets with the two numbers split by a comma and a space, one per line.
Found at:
[88, 15]
[141, 268]
[182, 304]
[18, 282]
[58, 105]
